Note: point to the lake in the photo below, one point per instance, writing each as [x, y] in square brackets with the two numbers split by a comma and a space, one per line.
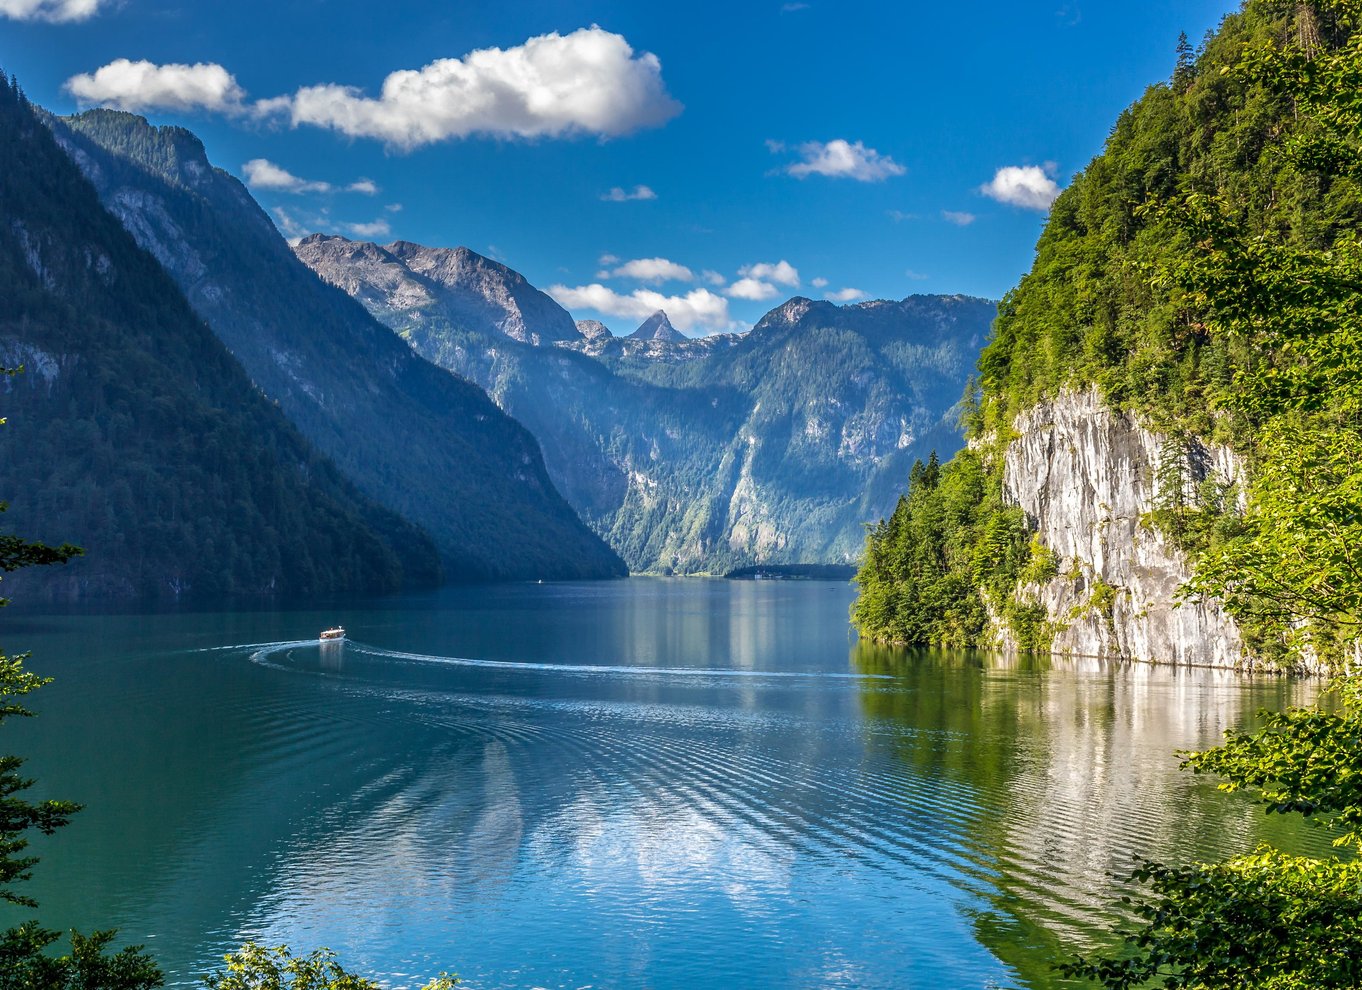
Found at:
[648, 783]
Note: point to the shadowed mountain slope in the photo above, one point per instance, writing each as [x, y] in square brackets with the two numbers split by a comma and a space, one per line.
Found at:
[421, 441]
[135, 434]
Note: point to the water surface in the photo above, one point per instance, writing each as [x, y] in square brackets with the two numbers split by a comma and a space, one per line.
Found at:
[650, 783]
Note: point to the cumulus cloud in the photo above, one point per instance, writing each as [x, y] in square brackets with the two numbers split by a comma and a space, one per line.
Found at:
[261, 173]
[753, 289]
[586, 82]
[819, 283]
[622, 195]
[146, 86]
[698, 309]
[712, 277]
[958, 217]
[845, 295]
[782, 272]
[654, 270]
[1027, 186]
[54, 11]
[839, 159]
[264, 174]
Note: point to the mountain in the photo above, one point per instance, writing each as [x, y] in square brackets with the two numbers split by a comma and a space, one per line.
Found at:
[424, 443]
[705, 455]
[658, 327]
[135, 434]
[423, 292]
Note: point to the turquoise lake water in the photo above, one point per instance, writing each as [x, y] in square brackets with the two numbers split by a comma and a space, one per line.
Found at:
[639, 784]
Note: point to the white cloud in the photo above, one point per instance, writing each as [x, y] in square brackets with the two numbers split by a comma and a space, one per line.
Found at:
[147, 86]
[845, 295]
[586, 82]
[54, 11]
[621, 195]
[958, 217]
[819, 283]
[654, 270]
[840, 159]
[753, 289]
[782, 272]
[264, 174]
[898, 216]
[712, 277]
[393, 207]
[609, 259]
[1027, 186]
[377, 228]
[916, 276]
[698, 309]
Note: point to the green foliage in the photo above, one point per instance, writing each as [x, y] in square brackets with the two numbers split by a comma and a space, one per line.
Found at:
[18, 816]
[951, 548]
[1302, 760]
[26, 965]
[258, 967]
[1268, 921]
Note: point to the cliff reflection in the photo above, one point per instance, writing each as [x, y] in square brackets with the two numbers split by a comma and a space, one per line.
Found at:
[1074, 768]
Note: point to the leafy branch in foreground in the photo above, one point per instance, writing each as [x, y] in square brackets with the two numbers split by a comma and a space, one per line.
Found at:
[1267, 920]
[260, 967]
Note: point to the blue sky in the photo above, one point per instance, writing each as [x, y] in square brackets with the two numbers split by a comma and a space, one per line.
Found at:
[856, 142]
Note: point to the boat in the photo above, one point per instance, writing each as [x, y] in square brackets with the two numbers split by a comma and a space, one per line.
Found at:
[337, 633]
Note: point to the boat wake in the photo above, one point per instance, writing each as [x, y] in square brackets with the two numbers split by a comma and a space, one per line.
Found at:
[267, 654]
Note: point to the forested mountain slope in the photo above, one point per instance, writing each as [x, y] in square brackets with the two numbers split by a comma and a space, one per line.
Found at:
[1115, 449]
[415, 438]
[135, 434]
[706, 455]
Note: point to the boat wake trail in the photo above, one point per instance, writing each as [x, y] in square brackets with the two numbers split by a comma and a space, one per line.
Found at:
[267, 654]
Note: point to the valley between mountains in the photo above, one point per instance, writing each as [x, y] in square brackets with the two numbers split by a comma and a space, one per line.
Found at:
[597, 454]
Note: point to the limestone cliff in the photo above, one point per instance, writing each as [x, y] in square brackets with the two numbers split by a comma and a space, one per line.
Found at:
[1086, 477]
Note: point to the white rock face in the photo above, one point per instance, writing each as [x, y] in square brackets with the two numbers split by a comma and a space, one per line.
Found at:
[1085, 477]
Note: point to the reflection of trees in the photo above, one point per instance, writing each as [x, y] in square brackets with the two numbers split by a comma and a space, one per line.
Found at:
[1072, 766]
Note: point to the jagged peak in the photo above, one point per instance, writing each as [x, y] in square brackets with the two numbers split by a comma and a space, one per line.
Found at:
[657, 327]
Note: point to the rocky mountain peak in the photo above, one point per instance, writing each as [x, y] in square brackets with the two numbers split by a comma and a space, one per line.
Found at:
[439, 288]
[791, 312]
[593, 329]
[657, 327]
